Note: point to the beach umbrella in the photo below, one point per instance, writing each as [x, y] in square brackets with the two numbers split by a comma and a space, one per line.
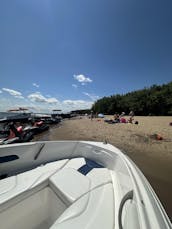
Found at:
[100, 115]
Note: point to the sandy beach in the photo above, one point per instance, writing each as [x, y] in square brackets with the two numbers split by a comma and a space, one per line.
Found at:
[152, 156]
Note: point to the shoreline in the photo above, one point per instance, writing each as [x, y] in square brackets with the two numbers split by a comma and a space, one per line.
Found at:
[153, 157]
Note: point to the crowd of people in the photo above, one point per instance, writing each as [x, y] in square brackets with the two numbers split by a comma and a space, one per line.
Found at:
[120, 118]
[117, 118]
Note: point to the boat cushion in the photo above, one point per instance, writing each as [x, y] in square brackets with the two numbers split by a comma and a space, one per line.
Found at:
[16, 185]
[97, 175]
[93, 210]
[70, 184]
[75, 163]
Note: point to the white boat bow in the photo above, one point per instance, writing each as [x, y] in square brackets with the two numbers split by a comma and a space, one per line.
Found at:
[75, 184]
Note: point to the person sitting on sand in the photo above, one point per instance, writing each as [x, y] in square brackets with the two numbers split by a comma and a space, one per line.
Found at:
[116, 118]
[130, 120]
[122, 119]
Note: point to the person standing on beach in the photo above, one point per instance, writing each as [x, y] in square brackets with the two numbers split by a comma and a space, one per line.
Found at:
[91, 116]
[122, 114]
[131, 114]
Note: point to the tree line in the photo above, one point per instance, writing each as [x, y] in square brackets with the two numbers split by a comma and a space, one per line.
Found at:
[155, 100]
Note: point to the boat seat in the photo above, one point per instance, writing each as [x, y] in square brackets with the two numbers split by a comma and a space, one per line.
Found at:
[14, 186]
[75, 163]
[93, 210]
[97, 175]
[71, 184]
[63, 183]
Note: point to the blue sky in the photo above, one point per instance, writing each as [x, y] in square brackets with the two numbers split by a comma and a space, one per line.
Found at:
[65, 54]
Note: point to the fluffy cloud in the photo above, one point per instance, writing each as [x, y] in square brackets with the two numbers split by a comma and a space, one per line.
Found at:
[38, 97]
[82, 79]
[36, 102]
[0, 91]
[8, 103]
[14, 93]
[91, 96]
[52, 100]
[35, 85]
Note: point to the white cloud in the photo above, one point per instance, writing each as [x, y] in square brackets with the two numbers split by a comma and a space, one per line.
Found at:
[91, 96]
[77, 104]
[7, 103]
[74, 85]
[36, 102]
[35, 85]
[0, 91]
[52, 100]
[14, 93]
[82, 79]
[38, 97]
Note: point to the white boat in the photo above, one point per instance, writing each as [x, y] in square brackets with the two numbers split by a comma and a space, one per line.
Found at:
[76, 185]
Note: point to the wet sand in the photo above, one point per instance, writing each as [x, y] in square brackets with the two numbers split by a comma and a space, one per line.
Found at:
[153, 157]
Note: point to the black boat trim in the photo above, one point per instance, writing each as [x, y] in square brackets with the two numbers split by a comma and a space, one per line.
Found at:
[8, 158]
